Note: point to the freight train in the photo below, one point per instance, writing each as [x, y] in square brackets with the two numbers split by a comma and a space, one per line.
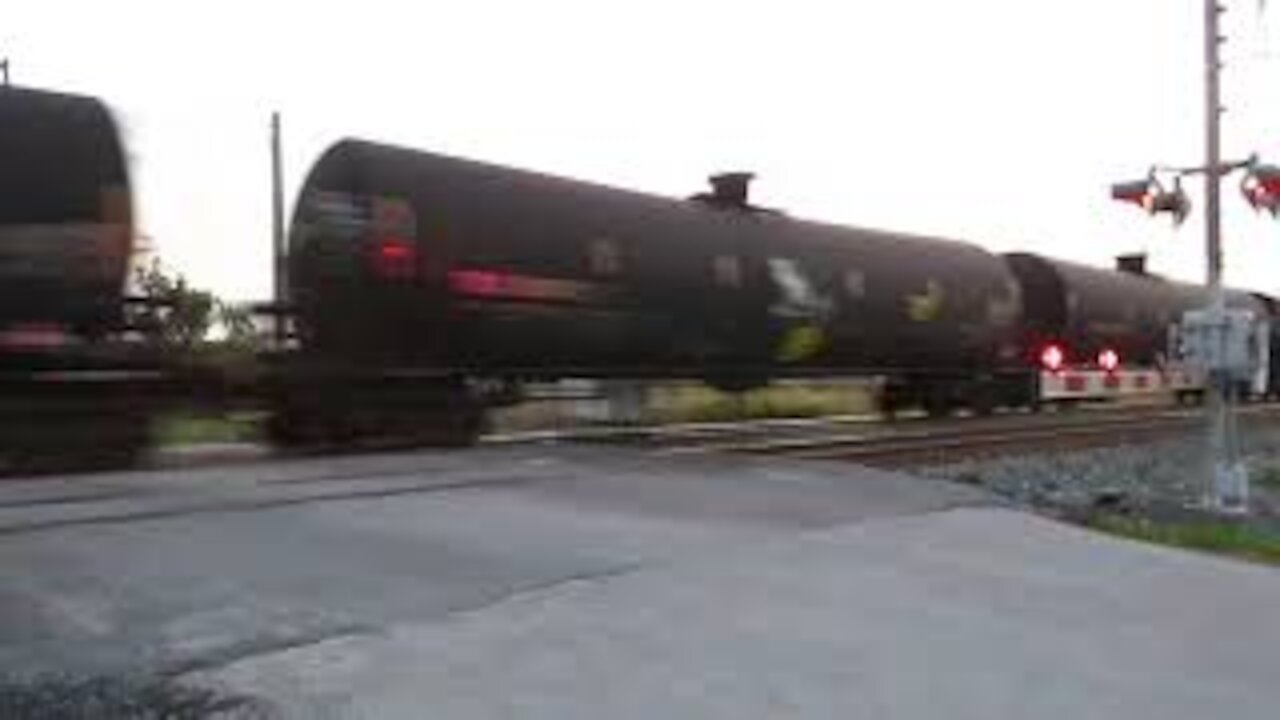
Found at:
[423, 288]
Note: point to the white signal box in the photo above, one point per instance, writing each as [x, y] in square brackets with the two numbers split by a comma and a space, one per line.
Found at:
[1237, 345]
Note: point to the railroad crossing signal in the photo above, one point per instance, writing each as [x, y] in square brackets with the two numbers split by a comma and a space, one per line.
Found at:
[1174, 202]
[1261, 188]
[1153, 197]
[1137, 192]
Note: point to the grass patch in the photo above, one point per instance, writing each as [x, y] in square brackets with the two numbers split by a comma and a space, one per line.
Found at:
[195, 429]
[1269, 477]
[698, 403]
[1215, 536]
[690, 401]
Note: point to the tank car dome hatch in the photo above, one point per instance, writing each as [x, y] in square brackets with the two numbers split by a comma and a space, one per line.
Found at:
[1134, 264]
[732, 188]
[731, 191]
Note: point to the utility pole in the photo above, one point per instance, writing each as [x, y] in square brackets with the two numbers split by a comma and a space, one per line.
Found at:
[1229, 479]
[277, 230]
[4, 71]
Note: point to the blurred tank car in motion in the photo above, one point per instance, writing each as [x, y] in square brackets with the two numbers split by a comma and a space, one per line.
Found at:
[66, 237]
[419, 260]
[423, 289]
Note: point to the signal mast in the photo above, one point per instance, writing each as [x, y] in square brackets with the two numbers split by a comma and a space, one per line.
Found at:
[1216, 334]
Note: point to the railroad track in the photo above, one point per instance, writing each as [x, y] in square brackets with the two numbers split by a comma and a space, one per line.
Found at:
[942, 444]
[734, 435]
[917, 441]
[864, 439]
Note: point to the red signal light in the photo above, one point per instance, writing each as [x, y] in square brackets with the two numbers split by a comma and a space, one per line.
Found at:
[1261, 188]
[1052, 358]
[1109, 360]
[395, 258]
[1255, 195]
[1268, 178]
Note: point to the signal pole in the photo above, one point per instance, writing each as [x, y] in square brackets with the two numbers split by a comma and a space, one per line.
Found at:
[1229, 479]
[1213, 148]
[4, 71]
[277, 230]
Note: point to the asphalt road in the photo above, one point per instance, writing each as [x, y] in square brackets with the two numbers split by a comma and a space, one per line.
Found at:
[170, 571]
[585, 582]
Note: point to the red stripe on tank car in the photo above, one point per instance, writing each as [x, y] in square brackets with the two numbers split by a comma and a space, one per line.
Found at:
[497, 285]
[481, 283]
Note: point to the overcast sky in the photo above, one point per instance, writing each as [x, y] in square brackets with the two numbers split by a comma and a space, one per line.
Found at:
[998, 121]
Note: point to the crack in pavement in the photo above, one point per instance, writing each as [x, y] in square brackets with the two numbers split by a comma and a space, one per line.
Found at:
[538, 588]
[257, 648]
[242, 506]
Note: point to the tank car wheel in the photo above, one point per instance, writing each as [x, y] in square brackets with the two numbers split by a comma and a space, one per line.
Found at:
[456, 427]
[937, 402]
[982, 400]
[891, 398]
[888, 409]
[112, 442]
[1190, 397]
[75, 442]
[282, 431]
[291, 428]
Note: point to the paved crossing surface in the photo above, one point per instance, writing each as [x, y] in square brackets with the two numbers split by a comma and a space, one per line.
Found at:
[595, 582]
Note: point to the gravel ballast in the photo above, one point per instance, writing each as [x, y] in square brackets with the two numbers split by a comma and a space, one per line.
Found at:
[1139, 477]
[121, 698]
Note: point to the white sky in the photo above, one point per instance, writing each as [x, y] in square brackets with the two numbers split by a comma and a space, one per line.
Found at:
[998, 121]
